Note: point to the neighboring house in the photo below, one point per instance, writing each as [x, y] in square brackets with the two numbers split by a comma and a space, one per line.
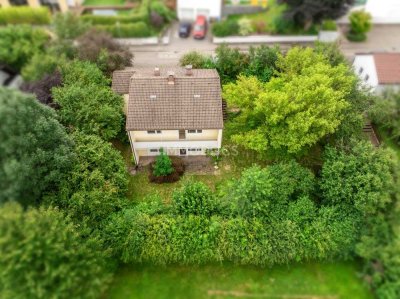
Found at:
[378, 70]
[9, 77]
[179, 110]
[188, 10]
[54, 5]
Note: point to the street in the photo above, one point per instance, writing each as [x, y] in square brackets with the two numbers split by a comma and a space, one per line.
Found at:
[382, 38]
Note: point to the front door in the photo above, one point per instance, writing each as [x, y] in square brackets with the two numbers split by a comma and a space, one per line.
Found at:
[182, 151]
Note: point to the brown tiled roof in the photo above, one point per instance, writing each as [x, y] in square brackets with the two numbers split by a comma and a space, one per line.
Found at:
[120, 80]
[387, 67]
[192, 102]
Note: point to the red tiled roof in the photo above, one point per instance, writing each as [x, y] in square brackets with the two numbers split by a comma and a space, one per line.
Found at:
[387, 67]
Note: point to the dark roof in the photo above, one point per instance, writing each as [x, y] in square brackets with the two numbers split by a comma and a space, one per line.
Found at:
[192, 102]
[387, 67]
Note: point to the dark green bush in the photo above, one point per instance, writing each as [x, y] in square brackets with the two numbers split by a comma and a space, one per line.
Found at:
[139, 29]
[162, 165]
[24, 15]
[329, 25]
[225, 28]
[194, 198]
[193, 58]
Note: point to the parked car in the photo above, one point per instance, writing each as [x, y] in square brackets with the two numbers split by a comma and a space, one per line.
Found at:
[184, 29]
[200, 27]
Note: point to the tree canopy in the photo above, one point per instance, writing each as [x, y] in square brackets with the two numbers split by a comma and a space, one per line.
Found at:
[35, 150]
[294, 110]
[43, 255]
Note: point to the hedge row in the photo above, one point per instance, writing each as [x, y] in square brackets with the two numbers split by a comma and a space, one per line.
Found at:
[225, 28]
[141, 15]
[166, 239]
[24, 15]
[139, 29]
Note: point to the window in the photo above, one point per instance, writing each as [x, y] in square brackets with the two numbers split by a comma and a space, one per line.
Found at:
[194, 149]
[366, 77]
[361, 70]
[195, 131]
[154, 150]
[154, 132]
[196, 96]
[153, 97]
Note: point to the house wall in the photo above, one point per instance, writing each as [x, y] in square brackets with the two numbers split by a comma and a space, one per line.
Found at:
[189, 9]
[142, 142]
[367, 64]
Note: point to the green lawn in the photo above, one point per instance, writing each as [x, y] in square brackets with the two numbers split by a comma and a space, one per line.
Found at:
[306, 281]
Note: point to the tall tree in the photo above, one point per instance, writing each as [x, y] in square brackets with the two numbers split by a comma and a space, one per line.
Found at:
[306, 12]
[293, 111]
[35, 151]
[43, 255]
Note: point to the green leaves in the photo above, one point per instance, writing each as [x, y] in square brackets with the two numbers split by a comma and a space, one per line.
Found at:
[163, 165]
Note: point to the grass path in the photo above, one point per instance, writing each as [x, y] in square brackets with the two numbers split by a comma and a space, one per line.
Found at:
[305, 281]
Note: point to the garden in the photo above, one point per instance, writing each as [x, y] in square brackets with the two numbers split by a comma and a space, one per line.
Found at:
[300, 195]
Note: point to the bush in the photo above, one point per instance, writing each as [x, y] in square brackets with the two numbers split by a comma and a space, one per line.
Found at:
[193, 58]
[329, 25]
[225, 28]
[40, 65]
[194, 198]
[69, 26]
[18, 44]
[82, 73]
[162, 165]
[360, 24]
[44, 255]
[139, 29]
[162, 10]
[178, 167]
[230, 62]
[245, 27]
[24, 15]
[262, 62]
[35, 151]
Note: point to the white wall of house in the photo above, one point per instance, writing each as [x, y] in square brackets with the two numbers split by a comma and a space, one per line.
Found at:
[145, 144]
[189, 9]
[364, 67]
[384, 11]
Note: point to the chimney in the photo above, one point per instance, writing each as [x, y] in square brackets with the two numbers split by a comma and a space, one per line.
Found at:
[171, 78]
[157, 71]
[189, 71]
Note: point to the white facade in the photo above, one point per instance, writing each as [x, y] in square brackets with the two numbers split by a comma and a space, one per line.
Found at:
[188, 10]
[193, 143]
[384, 11]
[364, 67]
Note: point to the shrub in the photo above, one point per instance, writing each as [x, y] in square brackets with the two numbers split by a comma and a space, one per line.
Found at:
[82, 73]
[245, 27]
[24, 15]
[162, 10]
[35, 151]
[18, 44]
[194, 198]
[69, 26]
[44, 255]
[262, 62]
[360, 24]
[162, 165]
[193, 58]
[225, 28]
[100, 48]
[230, 62]
[40, 65]
[329, 25]
[139, 29]
[42, 88]
[156, 20]
[179, 169]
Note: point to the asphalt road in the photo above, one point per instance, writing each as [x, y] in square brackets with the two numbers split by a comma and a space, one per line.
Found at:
[381, 38]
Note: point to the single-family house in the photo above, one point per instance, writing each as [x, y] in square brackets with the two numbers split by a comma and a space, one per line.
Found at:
[188, 10]
[177, 110]
[378, 70]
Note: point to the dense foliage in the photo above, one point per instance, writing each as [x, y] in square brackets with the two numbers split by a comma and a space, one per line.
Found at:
[100, 48]
[305, 12]
[41, 64]
[19, 43]
[24, 15]
[97, 183]
[43, 255]
[293, 111]
[35, 151]
[360, 24]
[162, 165]
[68, 26]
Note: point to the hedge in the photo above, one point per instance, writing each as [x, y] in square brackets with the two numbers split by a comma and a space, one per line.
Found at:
[139, 29]
[25, 15]
[225, 28]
